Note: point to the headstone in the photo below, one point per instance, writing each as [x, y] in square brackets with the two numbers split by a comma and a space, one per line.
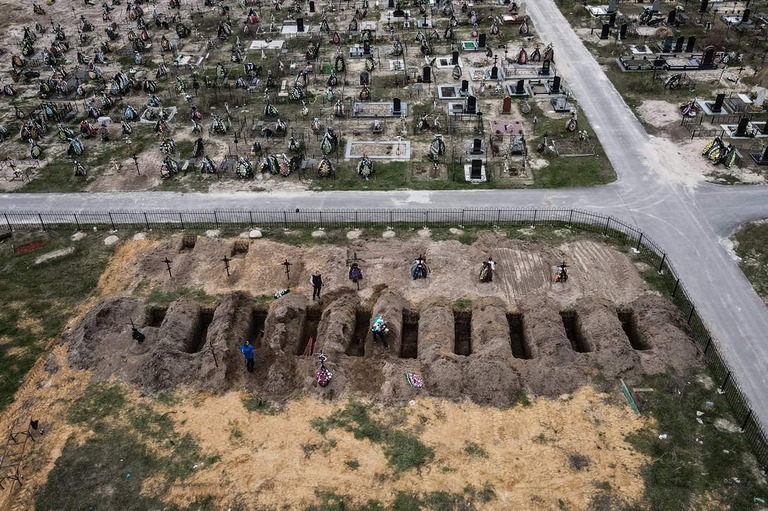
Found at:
[658, 63]
[455, 58]
[366, 48]
[426, 76]
[671, 17]
[494, 73]
[471, 105]
[718, 106]
[506, 105]
[612, 6]
[691, 44]
[520, 87]
[476, 169]
[666, 46]
[623, 31]
[555, 89]
[396, 109]
[391, 4]
[708, 59]
[299, 24]
[704, 5]
[745, 16]
[760, 98]
[481, 41]
[612, 20]
[605, 31]
[311, 5]
[679, 44]
[655, 6]
[741, 129]
[544, 68]
[764, 158]
[477, 146]
[365, 78]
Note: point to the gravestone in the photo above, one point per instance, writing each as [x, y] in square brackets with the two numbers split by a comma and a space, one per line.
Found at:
[561, 104]
[520, 87]
[655, 6]
[745, 16]
[760, 98]
[718, 106]
[741, 129]
[481, 41]
[612, 20]
[366, 48]
[555, 89]
[312, 6]
[708, 59]
[476, 169]
[299, 24]
[704, 5]
[398, 13]
[391, 4]
[396, 108]
[612, 6]
[477, 146]
[464, 87]
[544, 68]
[605, 31]
[623, 31]
[365, 78]
[506, 105]
[471, 107]
[671, 17]
[764, 157]
[659, 63]
[691, 44]
[455, 58]
[666, 46]
[426, 75]
[494, 73]
[679, 44]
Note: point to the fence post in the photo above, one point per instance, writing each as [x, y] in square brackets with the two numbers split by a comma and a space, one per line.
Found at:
[709, 341]
[605, 230]
[725, 382]
[746, 419]
[498, 217]
[674, 291]
[76, 222]
[462, 217]
[42, 224]
[146, 220]
[533, 223]
[321, 218]
[216, 218]
[181, 220]
[661, 264]
[639, 240]
[690, 314]
[570, 218]
[285, 219]
[10, 228]
[112, 222]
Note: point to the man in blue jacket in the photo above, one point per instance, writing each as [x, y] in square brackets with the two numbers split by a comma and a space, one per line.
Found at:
[247, 350]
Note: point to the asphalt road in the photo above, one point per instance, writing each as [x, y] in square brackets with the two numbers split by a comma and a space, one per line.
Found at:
[691, 222]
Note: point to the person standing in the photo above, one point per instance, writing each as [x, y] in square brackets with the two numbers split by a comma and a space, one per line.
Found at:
[247, 350]
[317, 283]
[380, 330]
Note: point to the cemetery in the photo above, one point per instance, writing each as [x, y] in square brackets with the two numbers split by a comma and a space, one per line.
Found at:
[206, 97]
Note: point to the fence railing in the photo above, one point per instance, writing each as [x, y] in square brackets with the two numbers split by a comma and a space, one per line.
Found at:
[617, 231]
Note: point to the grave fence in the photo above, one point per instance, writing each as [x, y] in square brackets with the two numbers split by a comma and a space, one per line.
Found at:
[611, 229]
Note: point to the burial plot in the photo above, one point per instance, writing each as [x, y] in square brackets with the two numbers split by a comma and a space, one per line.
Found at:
[517, 90]
[476, 147]
[396, 108]
[760, 158]
[690, 44]
[471, 105]
[506, 105]
[605, 31]
[679, 44]
[474, 172]
[544, 71]
[398, 150]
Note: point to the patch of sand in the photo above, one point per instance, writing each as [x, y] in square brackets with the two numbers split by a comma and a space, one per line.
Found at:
[659, 113]
[120, 274]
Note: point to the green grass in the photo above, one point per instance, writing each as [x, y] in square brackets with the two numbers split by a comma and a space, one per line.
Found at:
[402, 448]
[462, 304]
[130, 444]
[474, 450]
[752, 247]
[259, 405]
[696, 461]
[521, 398]
[39, 299]
[467, 499]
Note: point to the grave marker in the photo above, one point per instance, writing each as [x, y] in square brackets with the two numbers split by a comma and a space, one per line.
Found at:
[494, 73]
[764, 158]
[520, 87]
[666, 46]
[623, 31]
[366, 48]
[464, 87]
[691, 44]
[612, 20]
[391, 4]
[718, 106]
[426, 74]
[481, 41]
[613, 6]
[544, 68]
[679, 44]
[555, 85]
[671, 17]
[760, 99]
[655, 6]
[506, 105]
[396, 108]
[471, 105]
[299, 24]
[741, 129]
[311, 5]
[477, 146]
[704, 5]
[476, 169]
[365, 78]
[745, 16]
[708, 59]
[455, 58]
[605, 31]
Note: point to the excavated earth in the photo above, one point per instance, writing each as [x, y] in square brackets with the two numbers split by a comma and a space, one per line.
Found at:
[543, 342]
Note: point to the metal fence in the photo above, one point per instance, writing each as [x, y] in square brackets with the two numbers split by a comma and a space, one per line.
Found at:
[611, 228]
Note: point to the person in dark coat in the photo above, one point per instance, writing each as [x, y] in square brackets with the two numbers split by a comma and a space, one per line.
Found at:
[317, 283]
[250, 357]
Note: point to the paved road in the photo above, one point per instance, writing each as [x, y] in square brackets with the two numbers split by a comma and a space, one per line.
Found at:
[691, 222]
